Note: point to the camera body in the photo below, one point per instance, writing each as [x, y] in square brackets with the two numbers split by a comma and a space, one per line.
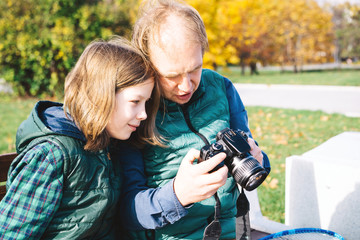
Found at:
[245, 169]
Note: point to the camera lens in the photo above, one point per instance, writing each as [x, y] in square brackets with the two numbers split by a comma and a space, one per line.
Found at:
[247, 172]
[255, 180]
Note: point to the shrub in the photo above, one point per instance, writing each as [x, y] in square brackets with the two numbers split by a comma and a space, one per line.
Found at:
[40, 40]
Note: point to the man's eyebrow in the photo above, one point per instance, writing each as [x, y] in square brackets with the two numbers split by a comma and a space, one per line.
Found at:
[171, 74]
[175, 74]
[196, 68]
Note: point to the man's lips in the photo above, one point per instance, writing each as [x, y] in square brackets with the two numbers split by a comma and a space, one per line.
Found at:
[184, 96]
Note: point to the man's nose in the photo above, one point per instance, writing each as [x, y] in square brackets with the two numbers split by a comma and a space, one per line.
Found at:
[185, 84]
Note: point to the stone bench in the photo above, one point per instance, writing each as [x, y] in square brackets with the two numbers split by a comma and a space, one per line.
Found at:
[323, 187]
[260, 224]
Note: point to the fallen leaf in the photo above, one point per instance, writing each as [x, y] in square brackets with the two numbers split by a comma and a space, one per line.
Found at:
[273, 183]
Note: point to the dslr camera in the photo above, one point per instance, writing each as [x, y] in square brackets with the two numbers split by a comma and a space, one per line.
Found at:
[245, 169]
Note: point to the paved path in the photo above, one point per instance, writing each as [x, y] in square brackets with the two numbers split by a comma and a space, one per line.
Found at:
[330, 99]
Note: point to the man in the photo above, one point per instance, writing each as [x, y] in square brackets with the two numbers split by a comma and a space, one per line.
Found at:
[164, 190]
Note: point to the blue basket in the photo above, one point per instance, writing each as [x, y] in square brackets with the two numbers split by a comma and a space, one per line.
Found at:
[305, 234]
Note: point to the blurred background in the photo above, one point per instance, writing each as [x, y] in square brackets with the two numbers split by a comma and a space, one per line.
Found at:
[40, 40]
[264, 41]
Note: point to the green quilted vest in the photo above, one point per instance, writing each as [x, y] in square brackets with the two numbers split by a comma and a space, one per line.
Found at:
[208, 112]
[91, 193]
[91, 184]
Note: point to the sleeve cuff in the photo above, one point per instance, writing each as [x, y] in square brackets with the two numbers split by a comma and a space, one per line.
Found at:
[172, 208]
[266, 163]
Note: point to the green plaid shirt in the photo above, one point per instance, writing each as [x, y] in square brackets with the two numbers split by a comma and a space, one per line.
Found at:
[34, 191]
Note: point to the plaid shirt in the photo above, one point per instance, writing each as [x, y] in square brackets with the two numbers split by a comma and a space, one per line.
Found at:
[34, 191]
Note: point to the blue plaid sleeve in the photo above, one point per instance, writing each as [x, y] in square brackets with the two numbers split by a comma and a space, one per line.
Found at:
[33, 194]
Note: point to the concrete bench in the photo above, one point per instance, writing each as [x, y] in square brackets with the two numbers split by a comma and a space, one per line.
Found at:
[260, 225]
[323, 187]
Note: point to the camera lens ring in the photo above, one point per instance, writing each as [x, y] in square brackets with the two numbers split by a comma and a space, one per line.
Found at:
[247, 172]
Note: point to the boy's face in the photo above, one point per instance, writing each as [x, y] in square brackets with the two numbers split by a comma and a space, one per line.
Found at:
[129, 110]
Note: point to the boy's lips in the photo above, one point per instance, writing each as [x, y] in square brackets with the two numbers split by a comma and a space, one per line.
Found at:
[133, 127]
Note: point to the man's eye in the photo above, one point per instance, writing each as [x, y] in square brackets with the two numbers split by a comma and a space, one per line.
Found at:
[171, 78]
[194, 71]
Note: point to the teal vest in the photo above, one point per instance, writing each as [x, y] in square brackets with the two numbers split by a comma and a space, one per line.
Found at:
[91, 190]
[208, 112]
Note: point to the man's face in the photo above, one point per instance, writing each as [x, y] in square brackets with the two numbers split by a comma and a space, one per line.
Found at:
[178, 61]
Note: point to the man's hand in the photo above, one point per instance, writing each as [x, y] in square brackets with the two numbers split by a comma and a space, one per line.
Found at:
[194, 183]
[255, 151]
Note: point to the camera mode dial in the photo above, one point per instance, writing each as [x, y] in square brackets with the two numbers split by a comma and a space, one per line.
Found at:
[216, 146]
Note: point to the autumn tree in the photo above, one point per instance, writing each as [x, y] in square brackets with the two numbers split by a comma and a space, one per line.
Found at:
[220, 52]
[248, 21]
[269, 31]
[346, 18]
[308, 34]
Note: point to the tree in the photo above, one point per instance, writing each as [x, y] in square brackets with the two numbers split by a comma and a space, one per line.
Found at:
[346, 19]
[267, 31]
[220, 53]
[40, 40]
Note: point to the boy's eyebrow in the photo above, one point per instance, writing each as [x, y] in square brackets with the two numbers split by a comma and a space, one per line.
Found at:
[141, 96]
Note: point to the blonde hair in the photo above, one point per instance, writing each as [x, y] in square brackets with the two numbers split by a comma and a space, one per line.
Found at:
[153, 14]
[103, 69]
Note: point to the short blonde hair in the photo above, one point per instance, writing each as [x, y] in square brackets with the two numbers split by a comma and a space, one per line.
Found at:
[153, 14]
[103, 69]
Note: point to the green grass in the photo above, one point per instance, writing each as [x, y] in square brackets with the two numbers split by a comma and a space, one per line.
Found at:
[12, 112]
[339, 77]
[284, 132]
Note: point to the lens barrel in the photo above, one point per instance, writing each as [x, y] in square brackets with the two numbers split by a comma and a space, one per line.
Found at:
[247, 172]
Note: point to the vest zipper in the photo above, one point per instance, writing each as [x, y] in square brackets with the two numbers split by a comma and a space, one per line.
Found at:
[218, 203]
[185, 111]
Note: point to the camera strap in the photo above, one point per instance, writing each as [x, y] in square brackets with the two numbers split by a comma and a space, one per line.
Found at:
[213, 230]
[242, 217]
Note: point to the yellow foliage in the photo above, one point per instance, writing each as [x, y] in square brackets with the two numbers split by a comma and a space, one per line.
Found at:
[272, 31]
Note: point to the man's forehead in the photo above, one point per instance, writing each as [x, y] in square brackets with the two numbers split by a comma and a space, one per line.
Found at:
[170, 32]
[179, 61]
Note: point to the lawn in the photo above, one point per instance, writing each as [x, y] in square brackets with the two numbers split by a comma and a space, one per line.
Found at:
[335, 77]
[280, 132]
[12, 112]
[284, 132]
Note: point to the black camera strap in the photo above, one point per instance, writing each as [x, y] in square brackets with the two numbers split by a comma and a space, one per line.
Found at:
[213, 230]
[242, 217]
